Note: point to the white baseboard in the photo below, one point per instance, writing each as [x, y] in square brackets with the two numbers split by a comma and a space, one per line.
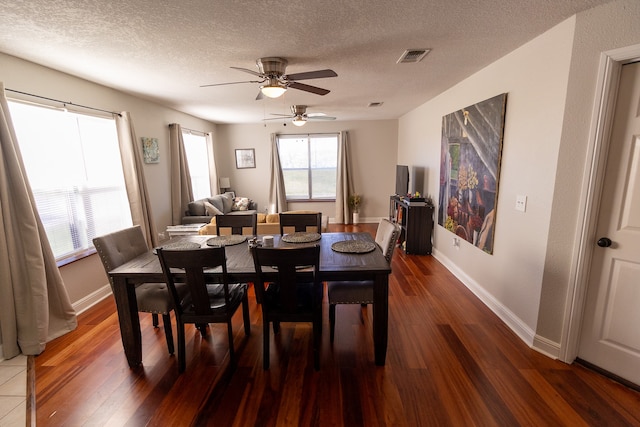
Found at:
[92, 299]
[546, 346]
[514, 323]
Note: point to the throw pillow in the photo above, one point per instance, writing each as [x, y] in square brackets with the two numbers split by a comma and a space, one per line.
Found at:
[240, 204]
[227, 202]
[212, 210]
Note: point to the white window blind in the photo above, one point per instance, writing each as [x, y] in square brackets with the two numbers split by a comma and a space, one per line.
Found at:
[309, 165]
[75, 172]
[195, 147]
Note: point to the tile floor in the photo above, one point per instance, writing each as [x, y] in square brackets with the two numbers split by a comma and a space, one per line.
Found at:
[13, 392]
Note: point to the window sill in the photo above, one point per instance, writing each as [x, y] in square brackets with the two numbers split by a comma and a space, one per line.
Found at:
[75, 257]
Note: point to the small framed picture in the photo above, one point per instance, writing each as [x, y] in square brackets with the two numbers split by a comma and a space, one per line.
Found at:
[150, 150]
[245, 158]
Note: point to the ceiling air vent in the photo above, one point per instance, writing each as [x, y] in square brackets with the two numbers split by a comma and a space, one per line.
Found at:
[412, 55]
[375, 104]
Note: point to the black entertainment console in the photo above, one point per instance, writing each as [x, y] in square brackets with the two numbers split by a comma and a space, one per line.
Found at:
[415, 217]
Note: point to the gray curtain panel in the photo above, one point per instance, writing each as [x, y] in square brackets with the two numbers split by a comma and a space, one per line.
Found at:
[277, 194]
[181, 188]
[344, 180]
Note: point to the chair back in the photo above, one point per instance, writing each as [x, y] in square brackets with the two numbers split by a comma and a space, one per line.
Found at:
[387, 236]
[300, 221]
[237, 223]
[294, 268]
[191, 265]
[115, 249]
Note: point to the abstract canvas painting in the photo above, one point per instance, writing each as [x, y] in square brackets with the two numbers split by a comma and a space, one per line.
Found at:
[470, 170]
[150, 150]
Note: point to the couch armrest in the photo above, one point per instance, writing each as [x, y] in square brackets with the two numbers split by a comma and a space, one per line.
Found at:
[195, 219]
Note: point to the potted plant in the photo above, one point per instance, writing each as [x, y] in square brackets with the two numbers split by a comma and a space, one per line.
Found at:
[355, 200]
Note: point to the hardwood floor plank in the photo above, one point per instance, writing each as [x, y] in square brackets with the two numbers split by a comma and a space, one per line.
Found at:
[450, 362]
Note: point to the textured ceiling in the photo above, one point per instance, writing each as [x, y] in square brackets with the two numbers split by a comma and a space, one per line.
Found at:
[165, 50]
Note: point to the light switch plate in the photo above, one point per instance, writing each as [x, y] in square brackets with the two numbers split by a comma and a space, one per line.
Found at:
[521, 203]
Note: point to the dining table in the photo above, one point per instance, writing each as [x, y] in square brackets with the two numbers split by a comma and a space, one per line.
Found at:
[334, 265]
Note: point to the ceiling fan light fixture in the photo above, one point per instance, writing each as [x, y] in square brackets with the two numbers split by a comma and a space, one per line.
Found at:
[273, 90]
[299, 121]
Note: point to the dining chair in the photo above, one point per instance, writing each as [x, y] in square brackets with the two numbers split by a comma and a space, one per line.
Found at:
[237, 223]
[119, 247]
[361, 291]
[203, 303]
[290, 289]
[300, 221]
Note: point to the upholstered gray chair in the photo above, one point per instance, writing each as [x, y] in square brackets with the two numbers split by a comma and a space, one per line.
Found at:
[115, 249]
[204, 303]
[361, 291]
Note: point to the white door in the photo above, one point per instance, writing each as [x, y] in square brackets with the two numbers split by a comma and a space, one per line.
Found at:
[610, 336]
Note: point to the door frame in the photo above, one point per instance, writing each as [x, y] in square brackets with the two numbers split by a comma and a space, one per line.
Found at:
[607, 82]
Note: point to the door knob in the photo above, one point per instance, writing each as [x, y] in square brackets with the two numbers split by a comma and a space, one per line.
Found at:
[604, 242]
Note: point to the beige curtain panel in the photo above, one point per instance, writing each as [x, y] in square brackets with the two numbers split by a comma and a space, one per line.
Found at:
[181, 188]
[139, 201]
[344, 180]
[34, 305]
[277, 194]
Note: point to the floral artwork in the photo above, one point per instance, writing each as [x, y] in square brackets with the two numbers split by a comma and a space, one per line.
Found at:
[150, 150]
[470, 170]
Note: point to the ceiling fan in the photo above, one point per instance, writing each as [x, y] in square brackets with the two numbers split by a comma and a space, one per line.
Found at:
[271, 71]
[300, 116]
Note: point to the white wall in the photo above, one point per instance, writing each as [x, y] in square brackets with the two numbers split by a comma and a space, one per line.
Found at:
[373, 150]
[85, 279]
[550, 83]
[535, 78]
[608, 27]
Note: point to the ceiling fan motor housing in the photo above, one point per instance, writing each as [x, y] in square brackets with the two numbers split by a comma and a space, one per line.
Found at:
[272, 66]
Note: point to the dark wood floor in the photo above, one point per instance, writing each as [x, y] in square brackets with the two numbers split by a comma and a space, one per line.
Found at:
[450, 361]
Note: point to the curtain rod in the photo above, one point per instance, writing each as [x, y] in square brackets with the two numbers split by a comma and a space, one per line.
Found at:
[62, 102]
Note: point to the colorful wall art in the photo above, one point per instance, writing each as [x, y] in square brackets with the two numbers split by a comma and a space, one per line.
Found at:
[470, 171]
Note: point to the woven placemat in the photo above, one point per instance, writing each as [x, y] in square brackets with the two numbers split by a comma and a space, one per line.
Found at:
[230, 240]
[353, 246]
[179, 246]
[301, 237]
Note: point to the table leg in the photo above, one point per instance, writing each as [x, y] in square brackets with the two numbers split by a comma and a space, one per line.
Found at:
[129, 320]
[380, 317]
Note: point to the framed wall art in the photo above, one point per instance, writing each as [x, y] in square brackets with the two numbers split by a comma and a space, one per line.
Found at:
[471, 150]
[245, 158]
[150, 150]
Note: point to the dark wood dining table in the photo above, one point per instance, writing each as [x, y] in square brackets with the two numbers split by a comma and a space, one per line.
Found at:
[333, 266]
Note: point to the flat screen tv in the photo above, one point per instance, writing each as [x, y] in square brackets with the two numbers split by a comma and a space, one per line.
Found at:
[402, 180]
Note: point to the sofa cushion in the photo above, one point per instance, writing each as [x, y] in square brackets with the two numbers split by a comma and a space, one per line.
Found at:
[240, 204]
[273, 219]
[227, 202]
[196, 208]
[211, 209]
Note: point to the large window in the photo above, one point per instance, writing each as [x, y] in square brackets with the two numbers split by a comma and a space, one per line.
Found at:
[309, 164]
[195, 147]
[75, 172]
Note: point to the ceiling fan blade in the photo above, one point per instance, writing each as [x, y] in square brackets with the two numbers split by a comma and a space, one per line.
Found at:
[315, 114]
[320, 74]
[233, 83]
[278, 118]
[246, 70]
[282, 115]
[260, 95]
[308, 88]
[320, 118]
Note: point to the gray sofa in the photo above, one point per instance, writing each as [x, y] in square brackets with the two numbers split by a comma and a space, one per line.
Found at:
[196, 212]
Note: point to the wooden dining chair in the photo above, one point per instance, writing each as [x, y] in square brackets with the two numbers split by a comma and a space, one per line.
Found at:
[204, 303]
[237, 223]
[115, 249]
[300, 221]
[291, 293]
[361, 291]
